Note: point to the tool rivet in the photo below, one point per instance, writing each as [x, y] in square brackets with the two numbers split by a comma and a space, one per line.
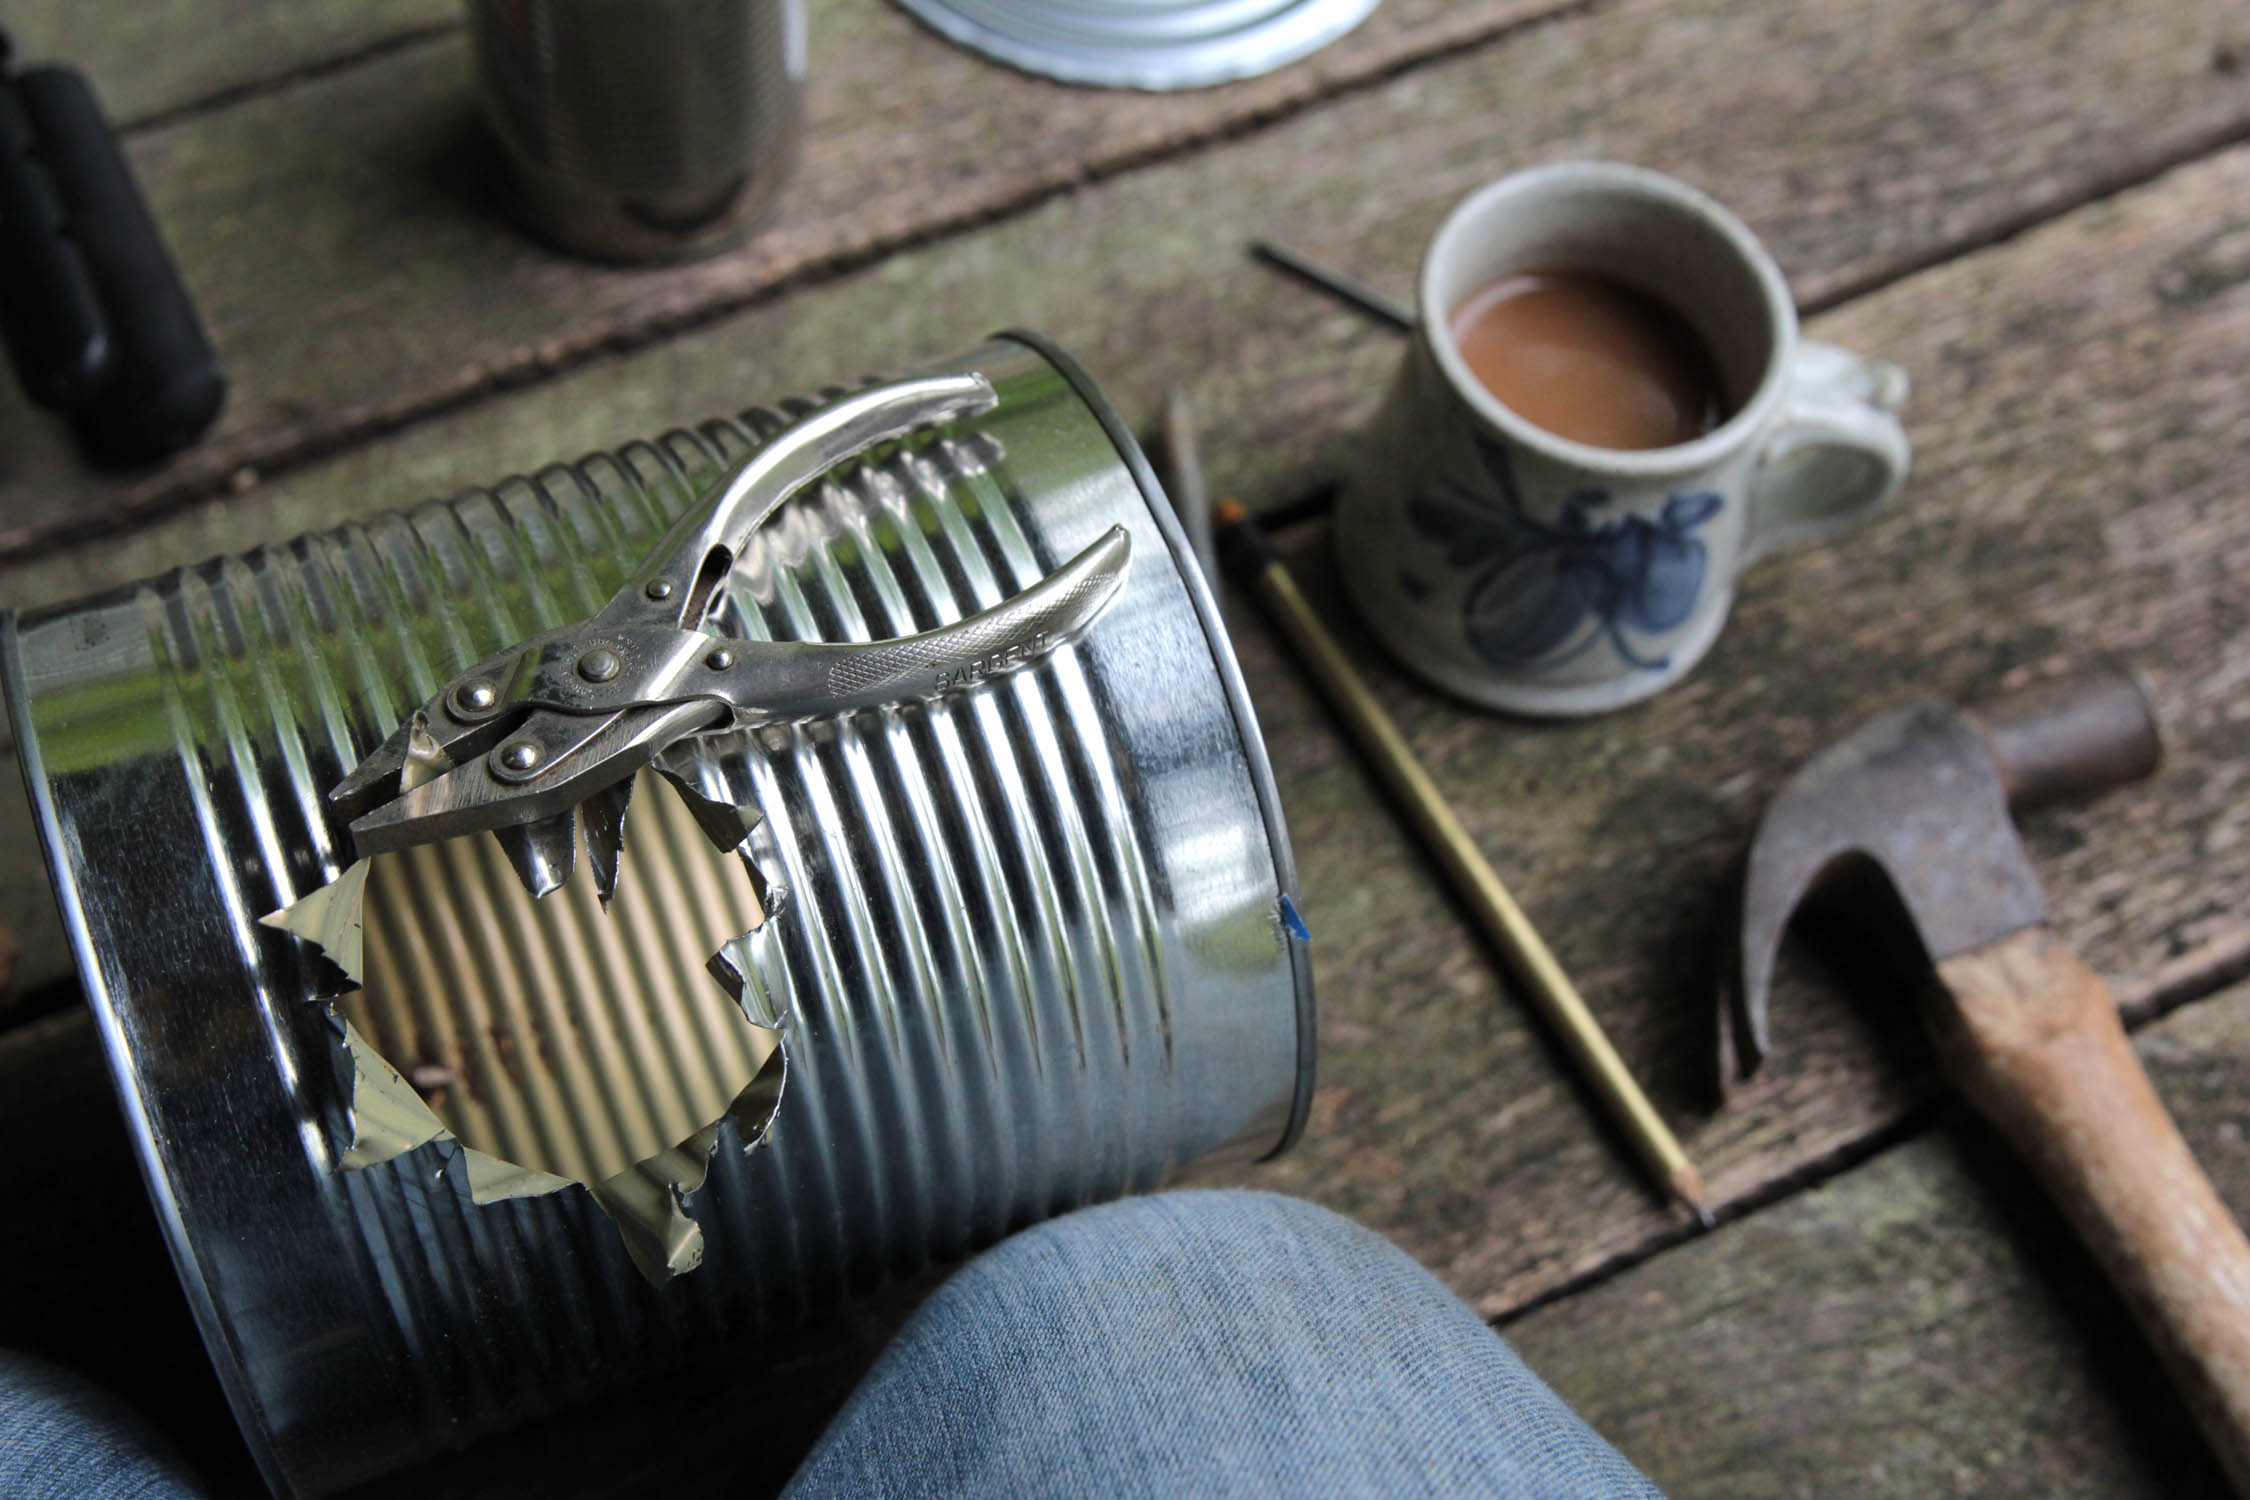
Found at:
[659, 588]
[719, 660]
[599, 664]
[519, 755]
[475, 697]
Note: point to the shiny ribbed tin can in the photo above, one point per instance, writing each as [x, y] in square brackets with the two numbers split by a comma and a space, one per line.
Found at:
[642, 130]
[1037, 948]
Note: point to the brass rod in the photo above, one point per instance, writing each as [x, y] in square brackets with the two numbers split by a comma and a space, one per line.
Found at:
[1472, 878]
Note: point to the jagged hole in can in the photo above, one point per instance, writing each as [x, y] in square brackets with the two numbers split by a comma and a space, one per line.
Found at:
[550, 1033]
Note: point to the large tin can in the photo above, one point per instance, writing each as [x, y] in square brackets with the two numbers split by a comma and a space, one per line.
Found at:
[1038, 950]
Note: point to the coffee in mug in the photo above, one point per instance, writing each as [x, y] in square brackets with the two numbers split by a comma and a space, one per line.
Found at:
[1589, 358]
[1605, 415]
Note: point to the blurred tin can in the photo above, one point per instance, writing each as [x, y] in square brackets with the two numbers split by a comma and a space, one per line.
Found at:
[642, 130]
[1039, 947]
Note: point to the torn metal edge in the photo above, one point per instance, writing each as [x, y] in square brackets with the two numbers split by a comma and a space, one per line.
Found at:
[648, 1200]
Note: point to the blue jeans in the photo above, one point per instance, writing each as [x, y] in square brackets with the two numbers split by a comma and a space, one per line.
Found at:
[1203, 1343]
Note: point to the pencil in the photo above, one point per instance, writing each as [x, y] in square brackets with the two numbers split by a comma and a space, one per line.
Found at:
[1250, 554]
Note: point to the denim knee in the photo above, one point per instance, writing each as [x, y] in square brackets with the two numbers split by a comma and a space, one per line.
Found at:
[1221, 1342]
[62, 1438]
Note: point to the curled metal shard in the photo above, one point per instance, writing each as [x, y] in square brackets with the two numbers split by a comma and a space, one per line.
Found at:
[401, 763]
[604, 817]
[328, 917]
[648, 1202]
[594, 751]
[542, 853]
[388, 1117]
[734, 966]
[725, 812]
[492, 1180]
[425, 758]
[647, 1198]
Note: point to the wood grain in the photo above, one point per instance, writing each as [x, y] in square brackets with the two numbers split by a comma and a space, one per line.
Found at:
[156, 60]
[2078, 430]
[340, 239]
[354, 279]
[1925, 1326]
[1920, 1325]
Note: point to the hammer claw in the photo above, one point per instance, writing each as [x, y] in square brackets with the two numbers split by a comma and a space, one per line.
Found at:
[2021, 1025]
[1914, 793]
[1924, 793]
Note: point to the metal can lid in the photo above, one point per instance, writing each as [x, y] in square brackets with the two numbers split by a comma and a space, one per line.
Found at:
[1173, 44]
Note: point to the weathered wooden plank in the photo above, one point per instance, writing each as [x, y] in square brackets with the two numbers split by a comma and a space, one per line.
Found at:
[2076, 422]
[153, 60]
[353, 278]
[2076, 434]
[1178, 303]
[352, 273]
[1923, 1326]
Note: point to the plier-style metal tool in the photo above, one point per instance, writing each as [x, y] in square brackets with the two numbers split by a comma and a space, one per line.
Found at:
[522, 740]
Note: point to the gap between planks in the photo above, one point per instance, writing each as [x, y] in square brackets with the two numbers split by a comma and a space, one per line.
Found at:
[283, 79]
[1404, 61]
[283, 451]
[2211, 143]
[2198, 974]
[1867, 1134]
[1315, 505]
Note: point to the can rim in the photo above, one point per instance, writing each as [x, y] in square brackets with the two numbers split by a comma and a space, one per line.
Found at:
[124, 1077]
[1238, 704]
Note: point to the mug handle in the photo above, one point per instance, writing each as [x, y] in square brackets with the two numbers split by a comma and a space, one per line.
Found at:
[1837, 454]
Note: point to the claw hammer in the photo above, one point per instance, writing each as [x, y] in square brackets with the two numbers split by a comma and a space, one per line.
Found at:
[2025, 1029]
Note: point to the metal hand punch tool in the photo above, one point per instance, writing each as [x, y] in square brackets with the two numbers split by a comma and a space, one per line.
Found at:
[524, 739]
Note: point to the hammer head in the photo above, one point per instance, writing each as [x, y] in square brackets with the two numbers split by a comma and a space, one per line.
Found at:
[1924, 794]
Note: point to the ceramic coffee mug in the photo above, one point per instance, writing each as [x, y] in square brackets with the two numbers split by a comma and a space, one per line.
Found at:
[1529, 572]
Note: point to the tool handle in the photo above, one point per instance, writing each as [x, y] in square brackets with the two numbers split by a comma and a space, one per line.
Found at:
[114, 341]
[770, 682]
[2032, 1037]
[681, 578]
[50, 314]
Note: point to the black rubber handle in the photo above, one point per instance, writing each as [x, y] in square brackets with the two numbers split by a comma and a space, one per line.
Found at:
[97, 321]
[49, 313]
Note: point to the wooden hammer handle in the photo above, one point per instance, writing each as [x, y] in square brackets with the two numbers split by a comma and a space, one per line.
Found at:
[2032, 1037]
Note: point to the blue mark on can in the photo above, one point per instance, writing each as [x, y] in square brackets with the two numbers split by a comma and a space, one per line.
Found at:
[1293, 922]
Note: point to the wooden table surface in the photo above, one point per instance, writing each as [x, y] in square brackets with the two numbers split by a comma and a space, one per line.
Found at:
[2040, 209]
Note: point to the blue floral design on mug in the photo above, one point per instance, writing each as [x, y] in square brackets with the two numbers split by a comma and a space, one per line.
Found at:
[1545, 595]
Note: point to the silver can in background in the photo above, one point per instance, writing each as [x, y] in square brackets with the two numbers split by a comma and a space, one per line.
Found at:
[1039, 948]
[642, 130]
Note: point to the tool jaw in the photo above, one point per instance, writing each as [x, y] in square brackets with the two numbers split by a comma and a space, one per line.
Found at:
[1917, 794]
[571, 713]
